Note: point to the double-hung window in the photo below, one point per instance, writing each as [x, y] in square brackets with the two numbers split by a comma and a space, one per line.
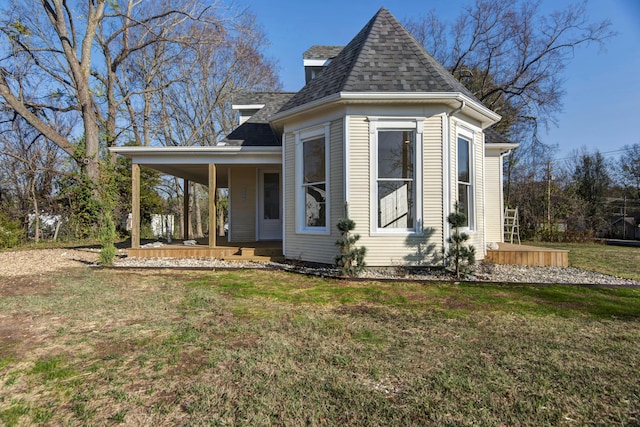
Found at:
[312, 180]
[396, 167]
[465, 177]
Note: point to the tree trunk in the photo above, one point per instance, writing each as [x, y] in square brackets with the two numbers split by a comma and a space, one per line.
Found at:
[36, 218]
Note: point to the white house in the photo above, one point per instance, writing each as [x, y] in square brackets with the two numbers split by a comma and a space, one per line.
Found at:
[380, 126]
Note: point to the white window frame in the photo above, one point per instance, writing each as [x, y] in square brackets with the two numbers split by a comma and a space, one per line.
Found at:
[468, 135]
[302, 136]
[415, 125]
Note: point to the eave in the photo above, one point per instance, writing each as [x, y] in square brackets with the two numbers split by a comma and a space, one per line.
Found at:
[472, 108]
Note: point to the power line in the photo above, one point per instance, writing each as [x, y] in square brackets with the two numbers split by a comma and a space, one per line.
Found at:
[603, 153]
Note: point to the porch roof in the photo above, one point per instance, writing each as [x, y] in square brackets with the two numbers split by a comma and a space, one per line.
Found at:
[192, 162]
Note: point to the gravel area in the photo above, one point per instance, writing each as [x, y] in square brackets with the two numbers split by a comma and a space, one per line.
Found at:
[485, 272]
[40, 261]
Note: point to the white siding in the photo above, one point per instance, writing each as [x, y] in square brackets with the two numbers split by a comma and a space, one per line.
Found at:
[396, 250]
[477, 235]
[242, 192]
[493, 197]
[314, 247]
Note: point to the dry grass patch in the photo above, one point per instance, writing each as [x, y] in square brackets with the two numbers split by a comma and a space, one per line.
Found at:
[109, 347]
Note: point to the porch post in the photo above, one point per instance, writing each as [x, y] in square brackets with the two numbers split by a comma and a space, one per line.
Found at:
[135, 205]
[212, 205]
[185, 210]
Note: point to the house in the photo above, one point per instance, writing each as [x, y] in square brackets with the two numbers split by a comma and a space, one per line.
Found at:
[380, 127]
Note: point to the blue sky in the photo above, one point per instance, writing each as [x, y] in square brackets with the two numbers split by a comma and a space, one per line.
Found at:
[602, 87]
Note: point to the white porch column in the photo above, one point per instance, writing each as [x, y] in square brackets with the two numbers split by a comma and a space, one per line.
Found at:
[185, 210]
[212, 205]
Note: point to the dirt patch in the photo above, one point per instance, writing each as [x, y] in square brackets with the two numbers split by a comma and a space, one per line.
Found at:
[24, 285]
[41, 261]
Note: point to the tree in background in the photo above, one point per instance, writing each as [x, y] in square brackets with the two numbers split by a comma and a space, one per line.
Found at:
[111, 71]
[510, 56]
[628, 169]
[591, 181]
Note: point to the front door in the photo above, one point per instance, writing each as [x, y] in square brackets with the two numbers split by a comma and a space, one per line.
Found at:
[270, 206]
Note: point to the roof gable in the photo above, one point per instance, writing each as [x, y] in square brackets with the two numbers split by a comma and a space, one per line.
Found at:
[382, 57]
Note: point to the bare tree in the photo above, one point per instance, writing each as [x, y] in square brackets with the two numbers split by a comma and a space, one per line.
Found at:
[57, 39]
[510, 56]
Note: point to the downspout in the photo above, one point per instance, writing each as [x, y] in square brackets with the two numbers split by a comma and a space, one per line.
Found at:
[448, 190]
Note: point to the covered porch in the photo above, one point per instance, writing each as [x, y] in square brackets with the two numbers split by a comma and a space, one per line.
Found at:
[252, 176]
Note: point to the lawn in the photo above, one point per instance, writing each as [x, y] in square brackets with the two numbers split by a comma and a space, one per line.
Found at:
[618, 261]
[107, 347]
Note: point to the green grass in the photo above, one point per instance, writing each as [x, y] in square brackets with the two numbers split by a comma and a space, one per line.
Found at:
[617, 261]
[274, 348]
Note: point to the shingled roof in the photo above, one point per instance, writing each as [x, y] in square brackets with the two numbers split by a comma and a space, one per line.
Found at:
[382, 57]
[256, 131]
[322, 52]
[492, 136]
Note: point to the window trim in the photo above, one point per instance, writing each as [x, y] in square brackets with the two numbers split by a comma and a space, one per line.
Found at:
[302, 136]
[468, 135]
[416, 125]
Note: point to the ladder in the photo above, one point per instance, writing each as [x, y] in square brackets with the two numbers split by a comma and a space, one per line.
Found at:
[511, 225]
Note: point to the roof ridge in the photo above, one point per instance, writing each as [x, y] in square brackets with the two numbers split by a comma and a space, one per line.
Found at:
[365, 32]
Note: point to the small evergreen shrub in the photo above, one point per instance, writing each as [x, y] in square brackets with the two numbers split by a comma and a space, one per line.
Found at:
[460, 258]
[350, 261]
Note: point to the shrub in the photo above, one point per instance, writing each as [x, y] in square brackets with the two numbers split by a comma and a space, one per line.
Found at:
[460, 258]
[11, 232]
[351, 258]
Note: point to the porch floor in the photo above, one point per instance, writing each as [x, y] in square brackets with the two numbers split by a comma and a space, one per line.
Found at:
[508, 253]
[229, 251]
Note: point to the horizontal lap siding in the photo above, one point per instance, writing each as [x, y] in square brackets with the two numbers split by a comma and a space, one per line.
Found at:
[313, 247]
[396, 250]
[243, 204]
[476, 237]
[493, 209]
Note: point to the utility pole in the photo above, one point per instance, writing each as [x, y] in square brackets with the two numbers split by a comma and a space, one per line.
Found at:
[624, 217]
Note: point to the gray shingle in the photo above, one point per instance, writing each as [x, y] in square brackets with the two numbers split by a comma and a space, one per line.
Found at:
[322, 52]
[492, 136]
[256, 131]
[382, 57]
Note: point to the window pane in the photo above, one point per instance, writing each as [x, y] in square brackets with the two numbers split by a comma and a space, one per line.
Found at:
[463, 201]
[395, 204]
[463, 160]
[315, 203]
[395, 154]
[271, 196]
[313, 154]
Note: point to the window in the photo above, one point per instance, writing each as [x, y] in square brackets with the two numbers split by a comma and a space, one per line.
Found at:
[313, 202]
[396, 189]
[465, 187]
[396, 168]
[314, 183]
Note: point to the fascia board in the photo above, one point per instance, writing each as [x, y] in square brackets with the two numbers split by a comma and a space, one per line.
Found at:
[247, 106]
[201, 155]
[498, 149]
[488, 117]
